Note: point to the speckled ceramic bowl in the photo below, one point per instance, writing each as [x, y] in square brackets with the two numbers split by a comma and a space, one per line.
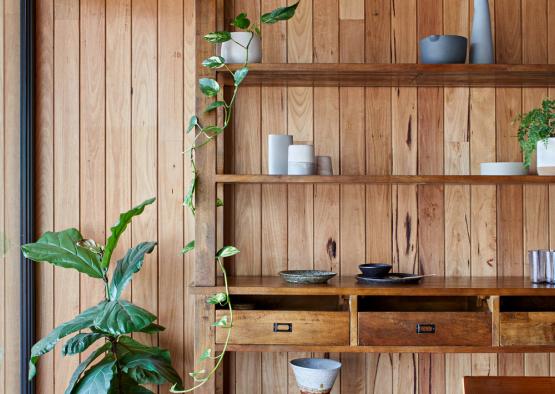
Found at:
[307, 276]
[375, 270]
[448, 49]
[315, 375]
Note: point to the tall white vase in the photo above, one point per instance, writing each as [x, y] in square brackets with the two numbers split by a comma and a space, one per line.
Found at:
[481, 42]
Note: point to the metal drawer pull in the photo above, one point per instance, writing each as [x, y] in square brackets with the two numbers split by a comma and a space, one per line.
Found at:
[425, 328]
[283, 327]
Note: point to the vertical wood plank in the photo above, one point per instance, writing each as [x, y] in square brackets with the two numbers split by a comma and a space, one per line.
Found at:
[170, 176]
[378, 31]
[66, 150]
[93, 133]
[326, 31]
[44, 182]
[508, 27]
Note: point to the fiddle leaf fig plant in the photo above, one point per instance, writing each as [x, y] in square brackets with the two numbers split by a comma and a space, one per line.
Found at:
[204, 134]
[125, 364]
[536, 126]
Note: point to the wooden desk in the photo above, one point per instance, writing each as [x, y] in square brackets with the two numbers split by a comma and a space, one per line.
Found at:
[508, 385]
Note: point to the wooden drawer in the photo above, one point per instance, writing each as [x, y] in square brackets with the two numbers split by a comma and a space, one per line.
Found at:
[527, 328]
[286, 328]
[424, 328]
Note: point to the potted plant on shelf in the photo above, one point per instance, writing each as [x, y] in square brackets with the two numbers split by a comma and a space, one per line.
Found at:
[125, 364]
[203, 134]
[537, 133]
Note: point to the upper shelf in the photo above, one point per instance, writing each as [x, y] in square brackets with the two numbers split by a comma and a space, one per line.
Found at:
[319, 74]
[389, 179]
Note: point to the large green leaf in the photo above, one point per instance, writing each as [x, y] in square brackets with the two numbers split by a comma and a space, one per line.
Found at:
[279, 14]
[125, 385]
[241, 21]
[240, 75]
[214, 62]
[209, 87]
[98, 379]
[46, 344]
[81, 368]
[152, 328]
[80, 343]
[218, 37]
[126, 267]
[122, 317]
[60, 248]
[146, 365]
[118, 229]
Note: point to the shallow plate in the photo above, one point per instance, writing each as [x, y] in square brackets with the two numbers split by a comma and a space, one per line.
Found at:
[390, 279]
[306, 276]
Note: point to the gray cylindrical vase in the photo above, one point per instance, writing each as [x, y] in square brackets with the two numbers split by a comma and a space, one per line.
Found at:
[481, 42]
[278, 147]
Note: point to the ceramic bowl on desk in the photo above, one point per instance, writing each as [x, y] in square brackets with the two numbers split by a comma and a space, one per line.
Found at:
[374, 270]
[438, 49]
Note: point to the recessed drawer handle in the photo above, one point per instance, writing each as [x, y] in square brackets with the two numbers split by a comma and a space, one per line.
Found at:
[426, 328]
[283, 327]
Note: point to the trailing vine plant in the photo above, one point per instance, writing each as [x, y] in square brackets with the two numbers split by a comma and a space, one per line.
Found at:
[203, 135]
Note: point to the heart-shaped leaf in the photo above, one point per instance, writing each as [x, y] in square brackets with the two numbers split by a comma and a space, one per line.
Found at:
[205, 355]
[240, 75]
[81, 368]
[213, 130]
[216, 104]
[280, 14]
[241, 21]
[122, 317]
[209, 87]
[46, 344]
[227, 251]
[218, 37]
[98, 378]
[192, 123]
[213, 62]
[221, 323]
[152, 328]
[218, 298]
[80, 343]
[60, 249]
[125, 385]
[118, 229]
[190, 246]
[129, 265]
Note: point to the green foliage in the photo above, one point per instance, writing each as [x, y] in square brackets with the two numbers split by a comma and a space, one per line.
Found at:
[280, 14]
[125, 364]
[241, 21]
[214, 62]
[536, 126]
[218, 37]
[190, 246]
[209, 87]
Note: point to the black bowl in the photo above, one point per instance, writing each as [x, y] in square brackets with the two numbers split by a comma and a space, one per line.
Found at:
[375, 270]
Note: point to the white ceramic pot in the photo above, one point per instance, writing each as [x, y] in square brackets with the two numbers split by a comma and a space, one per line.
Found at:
[315, 375]
[278, 148]
[301, 160]
[507, 168]
[232, 52]
[546, 157]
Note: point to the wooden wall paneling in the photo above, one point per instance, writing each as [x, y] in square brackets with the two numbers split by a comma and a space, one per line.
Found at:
[274, 197]
[44, 186]
[170, 177]
[508, 28]
[66, 151]
[551, 93]
[536, 223]
[326, 31]
[300, 109]
[431, 215]
[378, 31]
[248, 203]
[351, 31]
[4, 240]
[189, 85]
[92, 140]
[405, 373]
[483, 244]
[144, 182]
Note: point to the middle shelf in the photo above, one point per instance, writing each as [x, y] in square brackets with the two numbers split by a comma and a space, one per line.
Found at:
[387, 179]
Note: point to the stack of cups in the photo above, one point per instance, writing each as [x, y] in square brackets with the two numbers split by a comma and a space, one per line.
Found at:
[542, 266]
[301, 160]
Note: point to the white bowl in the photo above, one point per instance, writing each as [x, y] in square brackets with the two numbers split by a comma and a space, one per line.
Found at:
[503, 168]
[315, 375]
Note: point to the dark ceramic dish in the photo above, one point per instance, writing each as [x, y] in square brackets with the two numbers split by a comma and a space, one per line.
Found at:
[374, 270]
[306, 276]
[390, 279]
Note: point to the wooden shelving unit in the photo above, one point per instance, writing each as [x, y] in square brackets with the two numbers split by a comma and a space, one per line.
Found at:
[471, 75]
[386, 179]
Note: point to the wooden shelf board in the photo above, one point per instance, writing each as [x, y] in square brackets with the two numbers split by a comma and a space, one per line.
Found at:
[388, 349]
[388, 179]
[318, 74]
[431, 286]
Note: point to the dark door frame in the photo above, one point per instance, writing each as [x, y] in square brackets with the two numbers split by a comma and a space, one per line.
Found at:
[27, 178]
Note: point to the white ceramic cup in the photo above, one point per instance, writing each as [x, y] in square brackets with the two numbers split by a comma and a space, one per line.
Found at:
[303, 153]
[232, 52]
[278, 151]
[323, 165]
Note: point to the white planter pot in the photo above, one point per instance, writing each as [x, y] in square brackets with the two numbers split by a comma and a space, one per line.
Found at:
[232, 52]
[546, 157]
[315, 375]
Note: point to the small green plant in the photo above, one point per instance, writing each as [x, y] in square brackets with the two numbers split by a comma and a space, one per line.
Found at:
[536, 126]
[125, 364]
[204, 134]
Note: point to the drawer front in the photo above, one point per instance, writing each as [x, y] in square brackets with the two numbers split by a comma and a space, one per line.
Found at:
[424, 328]
[527, 328]
[286, 328]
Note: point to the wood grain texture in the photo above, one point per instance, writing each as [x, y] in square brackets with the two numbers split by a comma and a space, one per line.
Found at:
[505, 385]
